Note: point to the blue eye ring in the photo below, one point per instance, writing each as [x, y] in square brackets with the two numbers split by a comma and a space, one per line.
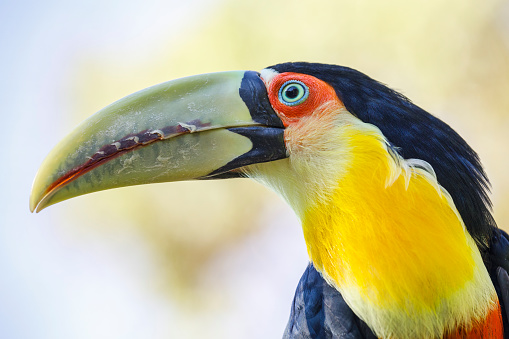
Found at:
[293, 93]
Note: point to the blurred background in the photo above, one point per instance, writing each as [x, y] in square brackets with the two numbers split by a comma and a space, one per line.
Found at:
[209, 259]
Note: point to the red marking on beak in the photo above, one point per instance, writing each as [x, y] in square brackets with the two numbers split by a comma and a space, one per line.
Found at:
[124, 145]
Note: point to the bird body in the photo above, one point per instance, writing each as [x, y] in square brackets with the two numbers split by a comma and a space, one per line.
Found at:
[403, 224]
[392, 201]
[378, 227]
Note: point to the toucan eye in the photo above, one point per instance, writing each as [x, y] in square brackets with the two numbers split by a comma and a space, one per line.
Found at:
[293, 92]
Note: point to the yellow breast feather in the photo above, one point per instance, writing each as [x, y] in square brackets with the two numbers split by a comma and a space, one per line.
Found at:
[381, 229]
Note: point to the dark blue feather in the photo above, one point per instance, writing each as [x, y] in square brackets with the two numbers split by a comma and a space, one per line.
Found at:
[318, 310]
[416, 134]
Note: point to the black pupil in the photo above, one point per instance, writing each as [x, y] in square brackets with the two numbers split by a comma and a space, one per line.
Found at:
[292, 92]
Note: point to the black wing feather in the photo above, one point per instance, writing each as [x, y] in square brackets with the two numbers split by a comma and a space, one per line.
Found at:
[498, 268]
[319, 311]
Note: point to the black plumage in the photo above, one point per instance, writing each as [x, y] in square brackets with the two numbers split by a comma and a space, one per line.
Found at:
[415, 134]
[318, 310]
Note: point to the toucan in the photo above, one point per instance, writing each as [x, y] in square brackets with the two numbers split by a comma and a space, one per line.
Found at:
[394, 204]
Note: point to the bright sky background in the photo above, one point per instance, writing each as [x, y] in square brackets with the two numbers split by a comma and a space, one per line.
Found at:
[90, 268]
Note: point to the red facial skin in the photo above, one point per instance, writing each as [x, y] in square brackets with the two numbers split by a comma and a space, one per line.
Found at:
[320, 93]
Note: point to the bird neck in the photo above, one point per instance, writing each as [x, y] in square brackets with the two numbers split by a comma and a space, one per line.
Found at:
[381, 230]
[390, 239]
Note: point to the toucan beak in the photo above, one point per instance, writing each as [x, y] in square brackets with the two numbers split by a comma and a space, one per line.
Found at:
[204, 126]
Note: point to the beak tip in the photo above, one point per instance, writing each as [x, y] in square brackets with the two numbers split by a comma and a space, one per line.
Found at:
[36, 202]
[39, 193]
[37, 205]
[33, 204]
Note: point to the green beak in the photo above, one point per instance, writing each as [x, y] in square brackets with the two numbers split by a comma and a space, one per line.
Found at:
[205, 126]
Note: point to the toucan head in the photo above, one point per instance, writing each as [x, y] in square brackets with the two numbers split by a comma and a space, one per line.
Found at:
[284, 126]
